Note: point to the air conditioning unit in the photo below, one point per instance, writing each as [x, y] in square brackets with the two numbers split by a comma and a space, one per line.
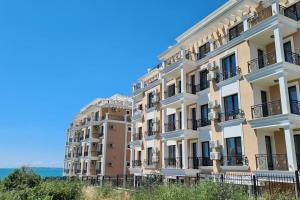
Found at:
[155, 98]
[215, 155]
[155, 127]
[211, 76]
[214, 144]
[213, 116]
[213, 104]
[212, 66]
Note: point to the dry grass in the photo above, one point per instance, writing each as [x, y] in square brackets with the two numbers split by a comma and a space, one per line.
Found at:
[106, 193]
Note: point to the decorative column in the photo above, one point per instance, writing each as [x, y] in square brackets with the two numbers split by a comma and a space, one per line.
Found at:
[278, 44]
[290, 148]
[275, 7]
[284, 93]
[183, 80]
[185, 154]
[163, 120]
[183, 116]
[245, 23]
[164, 153]
[211, 44]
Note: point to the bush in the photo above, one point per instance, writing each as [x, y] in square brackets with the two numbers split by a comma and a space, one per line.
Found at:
[20, 179]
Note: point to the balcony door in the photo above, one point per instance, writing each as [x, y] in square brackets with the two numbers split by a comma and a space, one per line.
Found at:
[297, 149]
[194, 155]
[171, 90]
[194, 119]
[234, 151]
[264, 103]
[203, 80]
[204, 115]
[205, 153]
[150, 100]
[193, 84]
[231, 106]
[261, 61]
[288, 52]
[229, 66]
[172, 155]
[149, 156]
[269, 152]
[172, 122]
[293, 99]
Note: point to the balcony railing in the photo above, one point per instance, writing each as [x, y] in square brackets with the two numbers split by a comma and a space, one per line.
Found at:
[101, 134]
[292, 57]
[262, 61]
[192, 124]
[197, 162]
[260, 16]
[136, 163]
[222, 76]
[86, 153]
[188, 55]
[231, 115]
[149, 162]
[203, 122]
[266, 109]
[290, 13]
[100, 152]
[202, 86]
[137, 136]
[174, 126]
[173, 162]
[234, 160]
[84, 171]
[271, 162]
[77, 171]
[98, 171]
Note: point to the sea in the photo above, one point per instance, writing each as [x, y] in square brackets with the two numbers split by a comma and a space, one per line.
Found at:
[42, 171]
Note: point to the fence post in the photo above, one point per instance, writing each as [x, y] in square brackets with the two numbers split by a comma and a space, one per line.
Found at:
[297, 186]
[222, 178]
[254, 186]
[177, 179]
[117, 180]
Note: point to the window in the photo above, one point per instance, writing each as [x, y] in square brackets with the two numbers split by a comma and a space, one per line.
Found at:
[234, 151]
[203, 50]
[150, 125]
[205, 154]
[236, 31]
[150, 100]
[171, 90]
[139, 155]
[231, 107]
[149, 156]
[204, 83]
[172, 151]
[293, 11]
[229, 68]
[204, 115]
[140, 133]
[97, 116]
[171, 123]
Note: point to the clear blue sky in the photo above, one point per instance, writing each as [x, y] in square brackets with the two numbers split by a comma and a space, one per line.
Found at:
[56, 56]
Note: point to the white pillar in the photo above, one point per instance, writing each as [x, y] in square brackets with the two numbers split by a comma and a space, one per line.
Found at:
[163, 120]
[183, 80]
[212, 45]
[245, 23]
[164, 153]
[275, 7]
[278, 45]
[164, 87]
[185, 154]
[105, 125]
[183, 116]
[290, 148]
[89, 168]
[284, 94]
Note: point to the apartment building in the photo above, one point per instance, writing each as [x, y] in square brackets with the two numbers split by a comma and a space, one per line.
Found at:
[228, 94]
[98, 138]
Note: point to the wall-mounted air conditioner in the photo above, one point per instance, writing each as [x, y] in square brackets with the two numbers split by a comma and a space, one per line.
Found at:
[213, 116]
[215, 155]
[212, 66]
[213, 104]
[214, 144]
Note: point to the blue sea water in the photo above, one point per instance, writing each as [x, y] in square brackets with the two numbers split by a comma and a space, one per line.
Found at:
[42, 171]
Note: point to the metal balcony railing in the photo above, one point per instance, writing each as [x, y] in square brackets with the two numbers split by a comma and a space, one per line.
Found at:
[260, 16]
[222, 76]
[197, 162]
[192, 124]
[234, 160]
[173, 126]
[262, 61]
[202, 86]
[292, 57]
[231, 115]
[136, 163]
[266, 109]
[173, 162]
[271, 162]
[137, 136]
[203, 122]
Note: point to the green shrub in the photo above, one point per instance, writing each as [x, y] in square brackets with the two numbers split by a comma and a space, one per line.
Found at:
[21, 178]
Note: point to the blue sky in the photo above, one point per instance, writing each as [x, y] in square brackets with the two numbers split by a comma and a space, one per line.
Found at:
[56, 56]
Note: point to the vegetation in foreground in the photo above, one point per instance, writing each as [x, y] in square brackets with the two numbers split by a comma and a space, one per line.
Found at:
[23, 184]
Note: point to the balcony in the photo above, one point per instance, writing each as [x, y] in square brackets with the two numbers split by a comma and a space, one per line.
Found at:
[137, 114]
[202, 86]
[173, 98]
[234, 160]
[136, 163]
[148, 163]
[86, 153]
[266, 109]
[231, 115]
[173, 126]
[259, 17]
[261, 62]
[173, 163]
[98, 171]
[203, 122]
[271, 162]
[233, 75]
[192, 124]
[198, 162]
[84, 171]
[137, 136]
[99, 152]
